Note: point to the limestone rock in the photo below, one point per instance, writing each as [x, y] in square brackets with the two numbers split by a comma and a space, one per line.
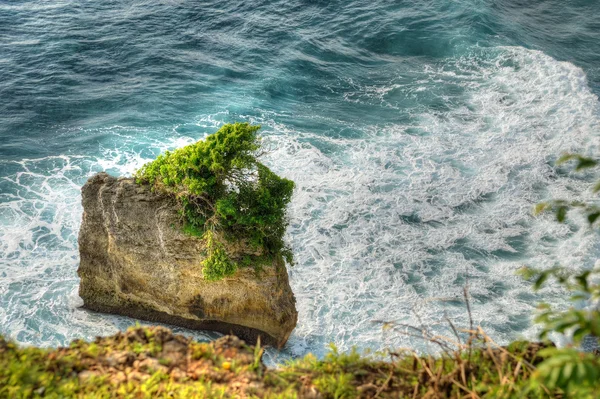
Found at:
[135, 261]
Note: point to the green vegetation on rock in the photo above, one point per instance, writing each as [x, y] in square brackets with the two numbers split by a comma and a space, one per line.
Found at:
[226, 196]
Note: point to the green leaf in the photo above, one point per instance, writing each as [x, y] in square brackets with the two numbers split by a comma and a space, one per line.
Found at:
[566, 373]
[553, 377]
[585, 163]
[541, 280]
[591, 373]
[593, 216]
[582, 279]
[561, 213]
[581, 372]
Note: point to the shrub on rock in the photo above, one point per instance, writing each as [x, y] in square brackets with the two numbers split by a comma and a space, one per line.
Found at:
[226, 195]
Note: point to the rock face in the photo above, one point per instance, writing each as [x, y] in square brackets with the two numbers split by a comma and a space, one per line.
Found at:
[136, 262]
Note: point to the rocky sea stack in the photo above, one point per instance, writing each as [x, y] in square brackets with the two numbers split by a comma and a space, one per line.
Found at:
[136, 261]
[195, 240]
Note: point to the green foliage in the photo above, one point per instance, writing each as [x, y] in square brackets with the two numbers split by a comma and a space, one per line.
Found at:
[222, 187]
[567, 370]
[204, 168]
[580, 286]
[337, 386]
[580, 322]
[217, 264]
[570, 371]
[562, 207]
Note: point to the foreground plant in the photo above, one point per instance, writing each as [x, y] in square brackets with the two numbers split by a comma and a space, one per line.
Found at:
[569, 370]
[155, 363]
[227, 197]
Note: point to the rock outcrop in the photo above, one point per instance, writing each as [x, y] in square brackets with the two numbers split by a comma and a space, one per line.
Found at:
[135, 261]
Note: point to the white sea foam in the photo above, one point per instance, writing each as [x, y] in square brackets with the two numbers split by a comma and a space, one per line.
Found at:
[393, 226]
[389, 226]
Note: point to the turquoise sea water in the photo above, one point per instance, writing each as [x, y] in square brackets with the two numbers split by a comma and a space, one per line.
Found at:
[420, 135]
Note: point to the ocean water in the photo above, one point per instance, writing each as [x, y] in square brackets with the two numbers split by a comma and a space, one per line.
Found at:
[420, 135]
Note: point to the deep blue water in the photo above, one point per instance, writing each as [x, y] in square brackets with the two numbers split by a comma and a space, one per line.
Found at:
[420, 135]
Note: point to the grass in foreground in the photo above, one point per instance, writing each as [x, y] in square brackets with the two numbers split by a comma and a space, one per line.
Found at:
[155, 363]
